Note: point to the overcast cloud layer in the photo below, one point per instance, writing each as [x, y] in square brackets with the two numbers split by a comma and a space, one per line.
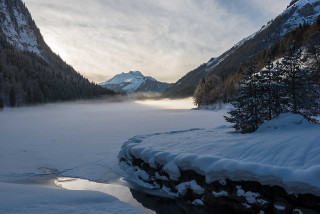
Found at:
[164, 38]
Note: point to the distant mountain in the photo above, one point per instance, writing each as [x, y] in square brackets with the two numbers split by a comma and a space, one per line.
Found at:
[297, 13]
[29, 71]
[133, 82]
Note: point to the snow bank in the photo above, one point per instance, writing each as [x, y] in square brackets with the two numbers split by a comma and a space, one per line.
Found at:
[284, 152]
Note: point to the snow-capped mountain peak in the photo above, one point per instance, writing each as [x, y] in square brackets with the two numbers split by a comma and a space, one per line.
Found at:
[131, 77]
[135, 73]
[134, 81]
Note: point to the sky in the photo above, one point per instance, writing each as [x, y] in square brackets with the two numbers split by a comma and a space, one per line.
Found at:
[164, 39]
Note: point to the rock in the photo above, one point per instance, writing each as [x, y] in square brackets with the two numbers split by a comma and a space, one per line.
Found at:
[265, 191]
[234, 196]
[263, 203]
[293, 199]
[244, 208]
[282, 206]
[301, 210]
[278, 191]
[243, 196]
[252, 186]
[216, 186]
[187, 174]
[310, 201]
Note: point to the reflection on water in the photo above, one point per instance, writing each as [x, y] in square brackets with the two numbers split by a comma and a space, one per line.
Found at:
[169, 103]
[119, 191]
[146, 200]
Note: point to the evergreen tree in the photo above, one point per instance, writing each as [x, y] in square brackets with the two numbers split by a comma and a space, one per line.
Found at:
[270, 85]
[205, 93]
[313, 48]
[298, 92]
[300, 89]
[292, 78]
[266, 89]
[12, 97]
[278, 89]
[1, 103]
[1, 96]
[247, 115]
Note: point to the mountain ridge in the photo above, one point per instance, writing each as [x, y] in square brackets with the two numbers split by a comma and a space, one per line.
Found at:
[297, 13]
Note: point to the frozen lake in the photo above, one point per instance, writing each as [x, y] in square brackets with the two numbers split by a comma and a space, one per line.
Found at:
[83, 139]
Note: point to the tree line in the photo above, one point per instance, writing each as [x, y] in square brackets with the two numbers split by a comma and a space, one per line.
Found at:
[227, 88]
[26, 78]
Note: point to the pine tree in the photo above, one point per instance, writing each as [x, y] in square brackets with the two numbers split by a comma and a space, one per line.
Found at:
[269, 87]
[313, 48]
[247, 115]
[292, 75]
[1, 95]
[278, 89]
[12, 97]
[301, 96]
[266, 90]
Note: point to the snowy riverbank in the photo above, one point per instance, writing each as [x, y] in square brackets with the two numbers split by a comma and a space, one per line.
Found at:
[284, 152]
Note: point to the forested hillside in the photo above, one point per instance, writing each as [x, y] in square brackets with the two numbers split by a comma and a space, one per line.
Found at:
[29, 71]
[297, 13]
[305, 36]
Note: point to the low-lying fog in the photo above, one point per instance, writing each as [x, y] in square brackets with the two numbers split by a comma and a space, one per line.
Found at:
[82, 139]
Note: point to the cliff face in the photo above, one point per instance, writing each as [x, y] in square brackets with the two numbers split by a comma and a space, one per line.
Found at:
[18, 27]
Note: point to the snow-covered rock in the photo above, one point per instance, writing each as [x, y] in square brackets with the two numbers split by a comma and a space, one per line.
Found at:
[198, 202]
[284, 152]
[134, 81]
[220, 194]
[183, 187]
[303, 11]
[18, 27]
[275, 168]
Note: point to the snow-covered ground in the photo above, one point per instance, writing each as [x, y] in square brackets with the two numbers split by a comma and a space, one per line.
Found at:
[284, 151]
[80, 139]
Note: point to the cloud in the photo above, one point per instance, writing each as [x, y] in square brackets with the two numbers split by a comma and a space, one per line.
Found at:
[164, 39]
